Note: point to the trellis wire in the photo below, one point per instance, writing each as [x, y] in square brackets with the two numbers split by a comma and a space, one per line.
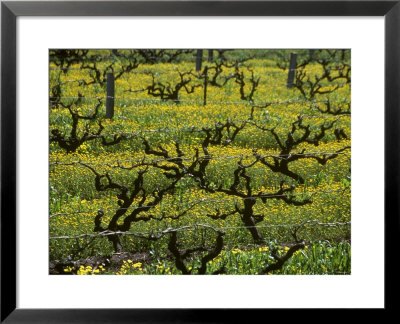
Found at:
[175, 69]
[228, 60]
[193, 129]
[277, 86]
[130, 135]
[204, 200]
[183, 59]
[158, 72]
[290, 101]
[204, 157]
[196, 226]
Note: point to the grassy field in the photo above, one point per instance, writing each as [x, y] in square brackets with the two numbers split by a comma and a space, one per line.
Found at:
[225, 170]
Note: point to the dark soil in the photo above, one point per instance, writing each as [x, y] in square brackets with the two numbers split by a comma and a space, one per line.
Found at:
[112, 262]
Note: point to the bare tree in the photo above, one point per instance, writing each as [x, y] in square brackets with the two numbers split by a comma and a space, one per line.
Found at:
[127, 211]
[99, 76]
[170, 91]
[64, 58]
[241, 81]
[298, 134]
[181, 255]
[78, 133]
[334, 67]
[153, 56]
[331, 110]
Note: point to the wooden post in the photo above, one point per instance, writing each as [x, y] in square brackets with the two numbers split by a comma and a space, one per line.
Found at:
[205, 85]
[210, 55]
[114, 55]
[292, 70]
[110, 96]
[199, 58]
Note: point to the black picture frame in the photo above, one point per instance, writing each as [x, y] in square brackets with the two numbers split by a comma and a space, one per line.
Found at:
[10, 10]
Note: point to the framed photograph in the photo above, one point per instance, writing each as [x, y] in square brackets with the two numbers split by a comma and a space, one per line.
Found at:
[185, 154]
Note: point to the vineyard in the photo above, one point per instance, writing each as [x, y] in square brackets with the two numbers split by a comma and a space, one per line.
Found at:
[199, 162]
